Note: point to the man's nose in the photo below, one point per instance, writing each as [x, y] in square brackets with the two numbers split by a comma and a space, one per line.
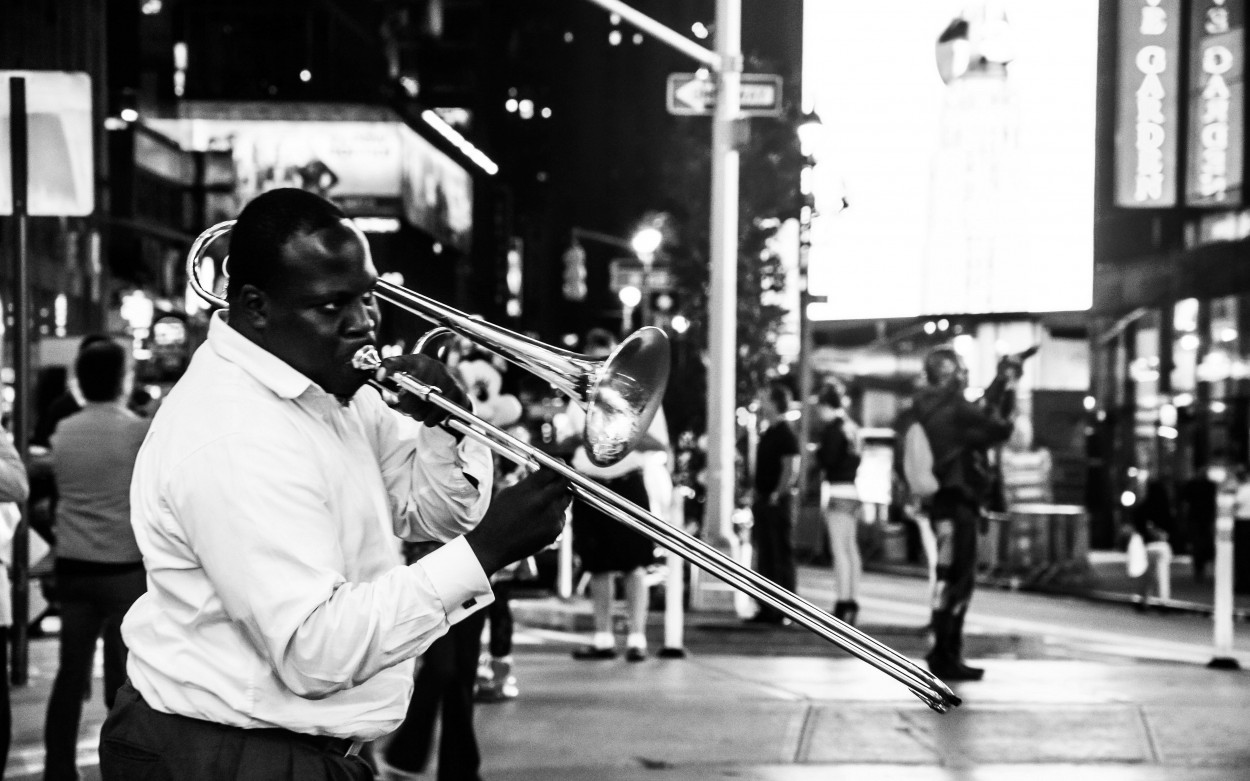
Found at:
[362, 316]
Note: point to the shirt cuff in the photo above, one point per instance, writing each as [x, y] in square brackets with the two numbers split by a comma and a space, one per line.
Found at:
[458, 579]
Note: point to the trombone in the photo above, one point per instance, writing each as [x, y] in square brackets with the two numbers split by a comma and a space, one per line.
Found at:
[621, 394]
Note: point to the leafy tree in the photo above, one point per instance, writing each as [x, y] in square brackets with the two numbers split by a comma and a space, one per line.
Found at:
[768, 182]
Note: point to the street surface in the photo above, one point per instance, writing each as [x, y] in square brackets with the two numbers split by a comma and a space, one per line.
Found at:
[1074, 688]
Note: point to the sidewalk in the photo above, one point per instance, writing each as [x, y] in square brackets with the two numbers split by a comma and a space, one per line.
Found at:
[1104, 579]
[780, 704]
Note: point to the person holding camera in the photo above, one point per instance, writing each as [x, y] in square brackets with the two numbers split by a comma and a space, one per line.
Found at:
[960, 433]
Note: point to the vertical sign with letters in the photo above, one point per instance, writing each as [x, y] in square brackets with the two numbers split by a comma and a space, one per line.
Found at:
[1147, 103]
[1214, 160]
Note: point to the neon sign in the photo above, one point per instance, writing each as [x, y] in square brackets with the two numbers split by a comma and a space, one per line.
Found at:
[1147, 104]
[1217, 104]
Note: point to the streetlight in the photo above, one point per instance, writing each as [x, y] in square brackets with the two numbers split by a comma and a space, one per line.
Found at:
[646, 242]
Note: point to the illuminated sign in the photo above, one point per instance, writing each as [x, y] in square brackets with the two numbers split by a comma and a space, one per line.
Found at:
[362, 158]
[1147, 103]
[61, 166]
[975, 196]
[1214, 152]
[437, 193]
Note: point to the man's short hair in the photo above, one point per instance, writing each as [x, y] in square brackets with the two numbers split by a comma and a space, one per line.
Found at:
[780, 395]
[101, 370]
[933, 371]
[265, 225]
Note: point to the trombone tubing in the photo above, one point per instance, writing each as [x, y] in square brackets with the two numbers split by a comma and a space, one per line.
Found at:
[932, 691]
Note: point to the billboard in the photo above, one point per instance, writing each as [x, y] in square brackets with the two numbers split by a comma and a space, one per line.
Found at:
[970, 186]
[364, 159]
[355, 163]
[437, 193]
[1147, 103]
[1214, 159]
[61, 165]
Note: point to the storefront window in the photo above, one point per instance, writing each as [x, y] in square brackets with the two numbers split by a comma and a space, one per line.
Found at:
[1186, 341]
[1144, 374]
[1224, 362]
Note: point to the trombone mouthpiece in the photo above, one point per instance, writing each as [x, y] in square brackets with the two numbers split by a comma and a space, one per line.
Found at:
[366, 359]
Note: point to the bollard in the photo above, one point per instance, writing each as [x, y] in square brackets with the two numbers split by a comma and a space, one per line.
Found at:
[674, 614]
[674, 588]
[564, 574]
[1223, 607]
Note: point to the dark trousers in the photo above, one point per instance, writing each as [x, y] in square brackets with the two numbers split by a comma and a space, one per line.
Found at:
[142, 744]
[499, 613]
[444, 686]
[956, 531]
[90, 605]
[774, 548]
[6, 711]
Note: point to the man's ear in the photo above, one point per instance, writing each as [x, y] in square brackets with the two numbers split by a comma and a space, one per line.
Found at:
[252, 307]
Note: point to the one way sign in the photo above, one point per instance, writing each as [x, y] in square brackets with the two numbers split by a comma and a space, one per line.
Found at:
[690, 95]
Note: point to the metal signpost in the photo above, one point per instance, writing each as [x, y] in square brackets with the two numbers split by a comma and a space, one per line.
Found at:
[726, 63]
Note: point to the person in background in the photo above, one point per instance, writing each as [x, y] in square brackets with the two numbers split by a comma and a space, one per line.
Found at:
[838, 456]
[99, 570]
[280, 625]
[776, 469]
[960, 432]
[1197, 502]
[14, 489]
[443, 692]
[496, 676]
[607, 547]
[1154, 520]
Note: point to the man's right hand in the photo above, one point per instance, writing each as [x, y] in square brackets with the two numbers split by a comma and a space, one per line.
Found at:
[522, 520]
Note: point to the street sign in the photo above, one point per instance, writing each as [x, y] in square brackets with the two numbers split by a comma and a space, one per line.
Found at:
[627, 272]
[690, 95]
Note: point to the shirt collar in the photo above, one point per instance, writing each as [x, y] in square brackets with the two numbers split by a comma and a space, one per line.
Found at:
[268, 369]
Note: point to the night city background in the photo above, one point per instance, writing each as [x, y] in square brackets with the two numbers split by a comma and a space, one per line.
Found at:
[993, 175]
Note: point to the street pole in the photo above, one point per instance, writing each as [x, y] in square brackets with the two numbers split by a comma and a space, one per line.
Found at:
[804, 358]
[722, 304]
[726, 61]
[18, 137]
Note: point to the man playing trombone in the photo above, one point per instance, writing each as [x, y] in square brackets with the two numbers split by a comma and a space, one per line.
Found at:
[279, 627]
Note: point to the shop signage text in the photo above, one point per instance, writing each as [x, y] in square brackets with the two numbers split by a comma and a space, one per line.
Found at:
[1147, 103]
[1217, 104]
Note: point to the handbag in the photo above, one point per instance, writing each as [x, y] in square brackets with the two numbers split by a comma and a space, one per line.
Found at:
[1137, 560]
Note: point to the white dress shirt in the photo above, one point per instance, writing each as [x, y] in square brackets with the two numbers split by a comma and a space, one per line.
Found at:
[267, 514]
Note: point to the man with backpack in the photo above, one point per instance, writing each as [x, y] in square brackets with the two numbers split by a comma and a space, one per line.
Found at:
[959, 434]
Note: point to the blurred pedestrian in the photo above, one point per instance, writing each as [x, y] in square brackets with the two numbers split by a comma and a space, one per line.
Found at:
[606, 547]
[278, 632]
[839, 455]
[14, 489]
[444, 688]
[1154, 520]
[496, 671]
[99, 570]
[959, 433]
[1197, 506]
[776, 470]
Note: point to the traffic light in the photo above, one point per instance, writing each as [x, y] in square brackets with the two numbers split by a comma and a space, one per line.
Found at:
[575, 272]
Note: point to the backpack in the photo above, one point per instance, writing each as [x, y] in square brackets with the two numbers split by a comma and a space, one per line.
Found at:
[839, 453]
[914, 481]
[917, 463]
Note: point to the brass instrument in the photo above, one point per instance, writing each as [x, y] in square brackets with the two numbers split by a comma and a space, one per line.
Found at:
[621, 394]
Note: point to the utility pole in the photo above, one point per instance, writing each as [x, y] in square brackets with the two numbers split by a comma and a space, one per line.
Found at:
[726, 62]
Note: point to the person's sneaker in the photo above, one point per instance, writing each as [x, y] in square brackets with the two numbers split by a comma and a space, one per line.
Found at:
[592, 652]
[635, 654]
